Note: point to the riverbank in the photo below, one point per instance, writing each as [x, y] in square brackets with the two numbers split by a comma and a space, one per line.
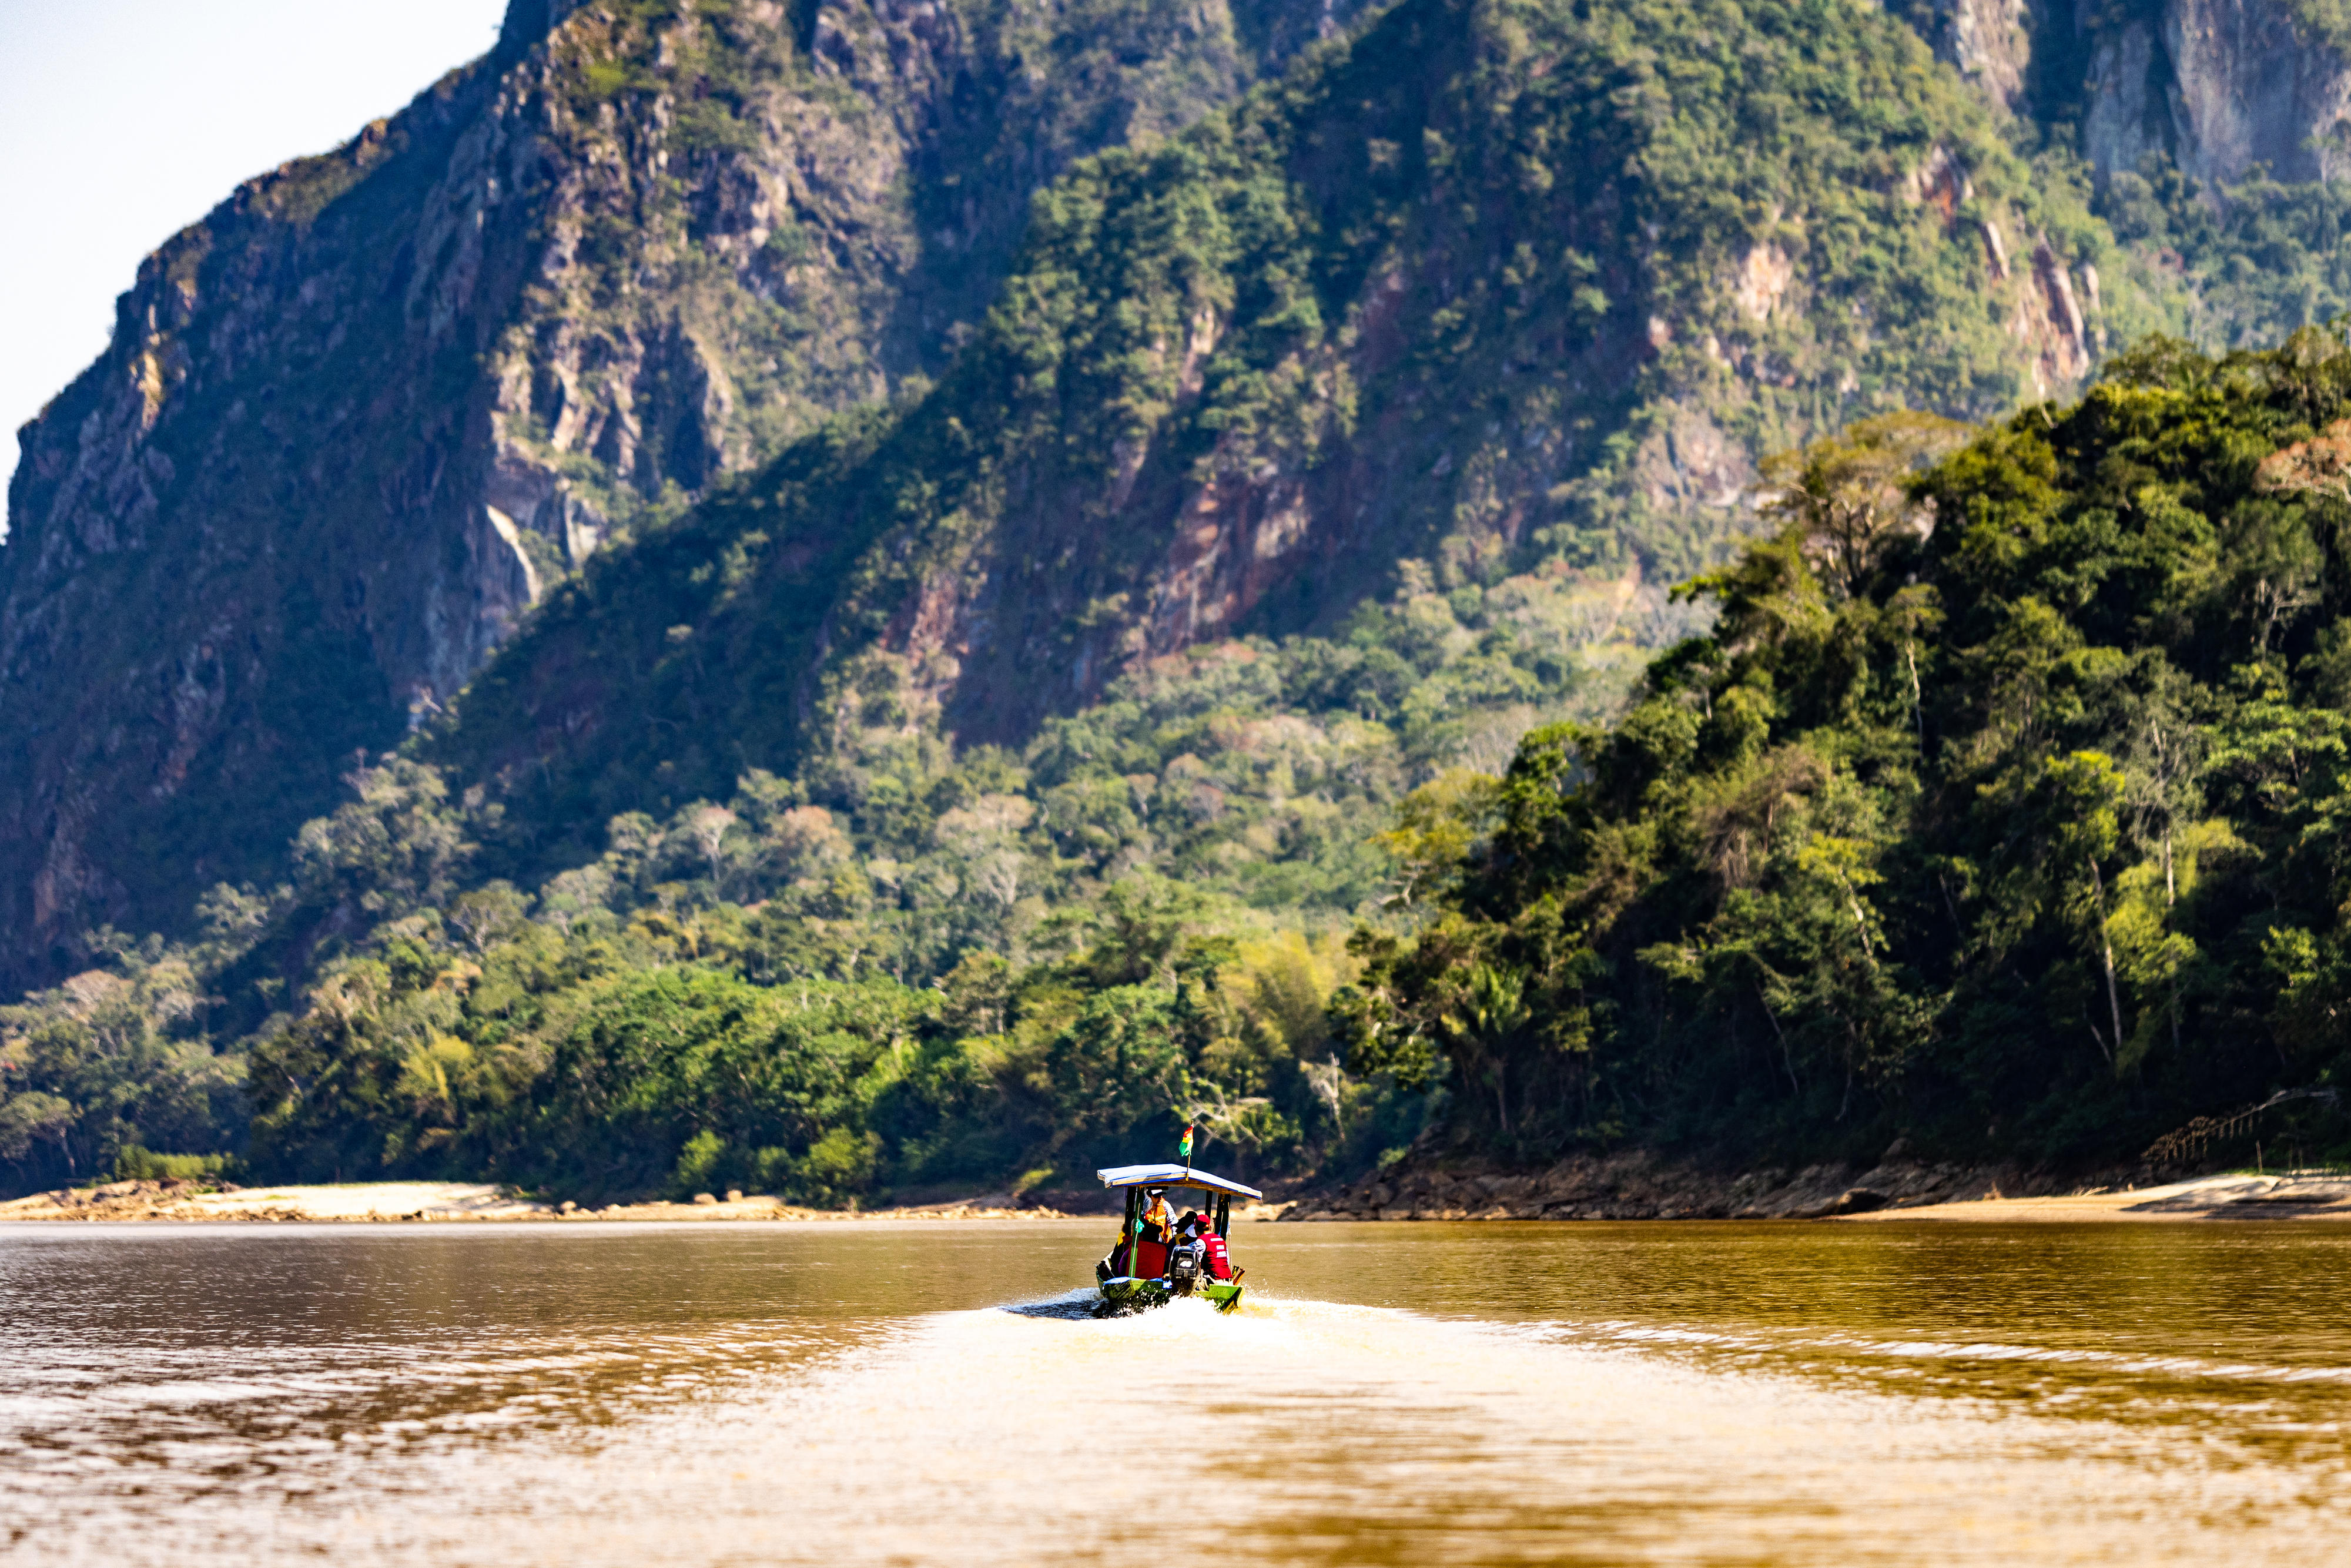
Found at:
[2238, 1197]
[441, 1203]
[1639, 1186]
[1620, 1187]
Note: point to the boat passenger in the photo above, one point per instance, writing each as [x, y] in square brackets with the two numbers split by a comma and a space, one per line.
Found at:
[1213, 1259]
[1159, 1230]
[1219, 1261]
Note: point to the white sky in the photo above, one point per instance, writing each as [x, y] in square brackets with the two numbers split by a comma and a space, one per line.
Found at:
[122, 121]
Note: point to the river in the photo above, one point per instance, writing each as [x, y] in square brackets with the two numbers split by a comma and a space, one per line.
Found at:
[1392, 1393]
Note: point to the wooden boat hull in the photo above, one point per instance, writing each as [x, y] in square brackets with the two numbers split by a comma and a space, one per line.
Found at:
[1121, 1298]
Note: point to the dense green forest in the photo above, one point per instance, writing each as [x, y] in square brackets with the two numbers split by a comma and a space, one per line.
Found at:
[941, 965]
[2001, 810]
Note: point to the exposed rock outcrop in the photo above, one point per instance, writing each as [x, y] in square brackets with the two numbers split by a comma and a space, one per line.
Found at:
[354, 422]
[2253, 82]
[2220, 85]
[1637, 1185]
[2054, 323]
[2223, 86]
[1989, 42]
[2127, 112]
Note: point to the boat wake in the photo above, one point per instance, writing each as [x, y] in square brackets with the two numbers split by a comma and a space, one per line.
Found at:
[1294, 1432]
[1070, 1306]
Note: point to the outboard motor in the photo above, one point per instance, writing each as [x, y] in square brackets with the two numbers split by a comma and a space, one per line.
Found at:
[1185, 1264]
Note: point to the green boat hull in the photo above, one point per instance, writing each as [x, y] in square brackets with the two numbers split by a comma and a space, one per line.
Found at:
[1122, 1297]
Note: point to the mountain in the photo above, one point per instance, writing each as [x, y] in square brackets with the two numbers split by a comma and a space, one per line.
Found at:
[1032, 617]
[369, 412]
[352, 424]
[1475, 287]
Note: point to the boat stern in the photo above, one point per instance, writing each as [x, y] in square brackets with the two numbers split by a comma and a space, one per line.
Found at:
[1120, 1297]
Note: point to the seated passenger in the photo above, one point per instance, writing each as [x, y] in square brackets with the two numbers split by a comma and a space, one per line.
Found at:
[1215, 1261]
[1157, 1231]
[1219, 1262]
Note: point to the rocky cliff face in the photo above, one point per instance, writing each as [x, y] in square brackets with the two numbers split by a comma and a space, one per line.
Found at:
[1989, 42]
[2221, 85]
[2256, 81]
[2127, 110]
[356, 422]
[1415, 307]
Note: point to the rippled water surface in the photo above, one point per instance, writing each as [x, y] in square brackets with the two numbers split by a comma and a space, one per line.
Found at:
[1398, 1394]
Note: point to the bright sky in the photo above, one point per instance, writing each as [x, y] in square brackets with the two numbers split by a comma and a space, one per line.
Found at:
[122, 121]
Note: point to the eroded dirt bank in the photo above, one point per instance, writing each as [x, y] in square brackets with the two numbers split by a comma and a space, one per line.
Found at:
[1639, 1186]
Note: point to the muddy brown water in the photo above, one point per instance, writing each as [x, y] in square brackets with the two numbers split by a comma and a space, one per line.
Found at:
[1392, 1393]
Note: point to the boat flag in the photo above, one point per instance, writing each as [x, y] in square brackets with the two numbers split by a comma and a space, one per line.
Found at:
[1184, 1149]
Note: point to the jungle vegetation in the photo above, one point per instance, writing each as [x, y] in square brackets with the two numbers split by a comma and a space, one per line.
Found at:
[2001, 810]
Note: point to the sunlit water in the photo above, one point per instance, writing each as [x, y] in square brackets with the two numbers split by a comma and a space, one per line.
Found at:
[1402, 1394]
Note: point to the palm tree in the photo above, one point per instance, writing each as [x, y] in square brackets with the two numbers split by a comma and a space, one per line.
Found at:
[1491, 1014]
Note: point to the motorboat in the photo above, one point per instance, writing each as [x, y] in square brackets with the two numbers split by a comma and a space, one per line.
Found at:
[1159, 1256]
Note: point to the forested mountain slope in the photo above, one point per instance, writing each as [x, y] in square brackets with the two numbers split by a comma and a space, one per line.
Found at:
[2003, 811]
[1484, 285]
[355, 422]
[375, 406]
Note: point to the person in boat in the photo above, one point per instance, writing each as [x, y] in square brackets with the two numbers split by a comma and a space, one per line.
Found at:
[1219, 1259]
[1196, 1229]
[1159, 1230]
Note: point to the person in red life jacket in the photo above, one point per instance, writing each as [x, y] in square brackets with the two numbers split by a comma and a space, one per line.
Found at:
[1219, 1263]
[1214, 1259]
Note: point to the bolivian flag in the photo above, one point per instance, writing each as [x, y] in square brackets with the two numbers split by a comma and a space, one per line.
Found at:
[1184, 1149]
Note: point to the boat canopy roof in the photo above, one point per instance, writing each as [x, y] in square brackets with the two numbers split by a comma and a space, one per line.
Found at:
[1172, 1175]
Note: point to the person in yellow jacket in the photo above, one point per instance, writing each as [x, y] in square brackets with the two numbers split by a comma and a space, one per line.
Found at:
[1158, 1226]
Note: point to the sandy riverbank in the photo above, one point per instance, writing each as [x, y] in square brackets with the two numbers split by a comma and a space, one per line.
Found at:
[440, 1202]
[2206, 1197]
